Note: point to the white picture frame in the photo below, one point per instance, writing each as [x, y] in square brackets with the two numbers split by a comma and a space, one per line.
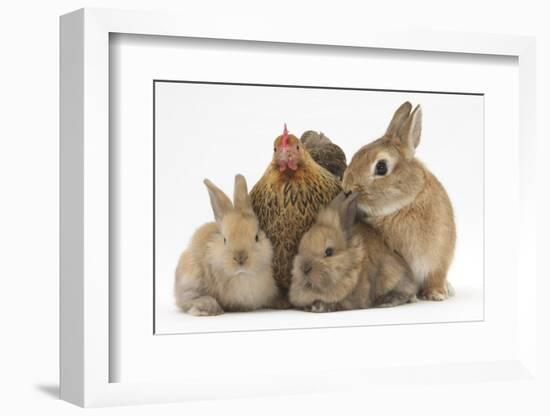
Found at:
[85, 264]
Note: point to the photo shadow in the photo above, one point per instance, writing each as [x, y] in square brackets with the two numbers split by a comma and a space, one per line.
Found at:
[51, 390]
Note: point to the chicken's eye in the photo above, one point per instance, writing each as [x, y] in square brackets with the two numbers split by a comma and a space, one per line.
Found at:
[328, 252]
[224, 241]
[297, 147]
[257, 238]
[381, 168]
[274, 149]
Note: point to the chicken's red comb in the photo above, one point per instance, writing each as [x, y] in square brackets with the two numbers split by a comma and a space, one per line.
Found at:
[285, 137]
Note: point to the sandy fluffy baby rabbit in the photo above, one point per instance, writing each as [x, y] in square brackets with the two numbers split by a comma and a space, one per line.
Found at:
[343, 264]
[404, 202]
[227, 266]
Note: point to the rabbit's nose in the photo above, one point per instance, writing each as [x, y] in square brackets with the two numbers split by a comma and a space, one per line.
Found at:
[307, 268]
[240, 257]
[347, 181]
[349, 184]
[350, 187]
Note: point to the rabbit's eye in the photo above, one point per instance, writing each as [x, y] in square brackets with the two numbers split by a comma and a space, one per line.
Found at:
[257, 238]
[381, 168]
[328, 252]
[224, 241]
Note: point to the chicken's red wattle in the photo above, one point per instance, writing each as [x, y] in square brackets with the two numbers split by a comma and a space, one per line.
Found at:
[287, 164]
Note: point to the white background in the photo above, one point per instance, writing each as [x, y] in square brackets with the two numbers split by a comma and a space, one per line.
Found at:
[216, 131]
[29, 214]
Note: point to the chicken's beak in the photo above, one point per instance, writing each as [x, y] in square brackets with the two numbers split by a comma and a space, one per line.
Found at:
[286, 159]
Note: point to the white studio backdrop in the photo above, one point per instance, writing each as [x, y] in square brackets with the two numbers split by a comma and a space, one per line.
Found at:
[216, 131]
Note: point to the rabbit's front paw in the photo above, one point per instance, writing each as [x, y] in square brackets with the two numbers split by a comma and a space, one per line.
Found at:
[205, 306]
[433, 294]
[319, 307]
[394, 299]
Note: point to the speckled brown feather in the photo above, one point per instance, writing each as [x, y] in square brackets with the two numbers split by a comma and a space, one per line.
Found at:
[286, 205]
[325, 153]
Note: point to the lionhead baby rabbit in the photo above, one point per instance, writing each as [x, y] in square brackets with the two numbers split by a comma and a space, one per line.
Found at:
[405, 203]
[343, 264]
[227, 266]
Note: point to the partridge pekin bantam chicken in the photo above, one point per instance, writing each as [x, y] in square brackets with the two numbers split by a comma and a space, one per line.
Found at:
[289, 195]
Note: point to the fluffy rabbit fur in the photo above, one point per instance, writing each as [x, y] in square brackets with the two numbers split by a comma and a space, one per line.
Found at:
[227, 266]
[342, 264]
[406, 203]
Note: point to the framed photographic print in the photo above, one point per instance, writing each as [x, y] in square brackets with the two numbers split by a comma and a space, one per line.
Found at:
[181, 110]
[287, 206]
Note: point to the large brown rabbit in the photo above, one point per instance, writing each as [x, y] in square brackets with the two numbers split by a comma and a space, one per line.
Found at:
[405, 202]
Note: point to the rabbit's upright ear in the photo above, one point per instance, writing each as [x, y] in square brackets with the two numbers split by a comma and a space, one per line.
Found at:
[410, 132]
[221, 204]
[240, 196]
[399, 117]
[348, 212]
